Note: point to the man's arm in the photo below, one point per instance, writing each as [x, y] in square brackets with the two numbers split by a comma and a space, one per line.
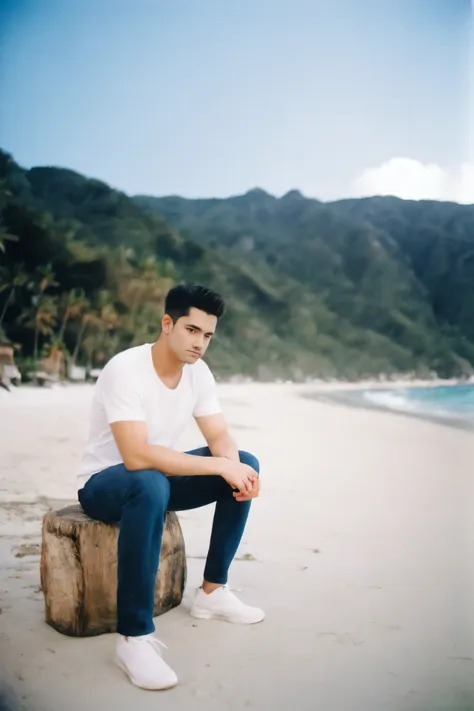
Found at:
[215, 432]
[210, 419]
[131, 437]
[132, 442]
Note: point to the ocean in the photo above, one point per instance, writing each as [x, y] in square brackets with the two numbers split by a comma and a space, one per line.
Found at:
[453, 404]
[449, 404]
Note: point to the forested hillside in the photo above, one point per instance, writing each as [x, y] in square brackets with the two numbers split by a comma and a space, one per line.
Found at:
[347, 289]
[386, 269]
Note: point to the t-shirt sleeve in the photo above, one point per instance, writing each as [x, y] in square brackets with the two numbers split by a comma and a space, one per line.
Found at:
[120, 397]
[207, 401]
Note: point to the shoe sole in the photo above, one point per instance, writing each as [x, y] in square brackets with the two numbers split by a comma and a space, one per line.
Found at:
[122, 666]
[208, 615]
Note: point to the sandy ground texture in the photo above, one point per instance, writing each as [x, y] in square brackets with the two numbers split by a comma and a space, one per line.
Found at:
[360, 549]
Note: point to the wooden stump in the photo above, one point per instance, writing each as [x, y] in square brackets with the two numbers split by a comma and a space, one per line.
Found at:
[79, 571]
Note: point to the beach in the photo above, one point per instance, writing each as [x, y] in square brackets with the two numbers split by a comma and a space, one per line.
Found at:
[360, 550]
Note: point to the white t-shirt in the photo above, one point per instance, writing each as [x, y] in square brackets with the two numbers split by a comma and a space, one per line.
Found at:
[129, 388]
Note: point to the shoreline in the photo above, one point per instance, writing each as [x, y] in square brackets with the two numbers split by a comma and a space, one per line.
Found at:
[318, 385]
[355, 397]
[338, 393]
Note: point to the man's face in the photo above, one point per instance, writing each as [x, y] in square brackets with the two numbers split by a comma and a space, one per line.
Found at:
[190, 336]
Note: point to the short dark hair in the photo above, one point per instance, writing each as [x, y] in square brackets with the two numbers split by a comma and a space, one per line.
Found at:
[180, 299]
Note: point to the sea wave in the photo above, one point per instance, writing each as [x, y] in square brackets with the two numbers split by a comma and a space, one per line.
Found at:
[442, 403]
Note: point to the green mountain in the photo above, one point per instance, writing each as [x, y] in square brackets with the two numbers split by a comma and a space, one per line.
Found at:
[395, 274]
[348, 289]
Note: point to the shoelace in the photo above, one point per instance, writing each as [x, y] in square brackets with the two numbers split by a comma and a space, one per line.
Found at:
[156, 643]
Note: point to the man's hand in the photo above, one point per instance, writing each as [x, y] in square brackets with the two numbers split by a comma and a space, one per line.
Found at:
[250, 495]
[240, 476]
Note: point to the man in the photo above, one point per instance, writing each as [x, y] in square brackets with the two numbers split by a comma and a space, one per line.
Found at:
[143, 399]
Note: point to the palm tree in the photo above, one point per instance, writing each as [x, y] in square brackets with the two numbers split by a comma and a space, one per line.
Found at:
[74, 304]
[43, 320]
[15, 281]
[46, 278]
[101, 323]
[87, 319]
[43, 316]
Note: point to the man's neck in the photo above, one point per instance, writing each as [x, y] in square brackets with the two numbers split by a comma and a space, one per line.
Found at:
[168, 368]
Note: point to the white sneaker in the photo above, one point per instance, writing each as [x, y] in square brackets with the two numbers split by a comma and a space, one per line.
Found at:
[140, 658]
[224, 605]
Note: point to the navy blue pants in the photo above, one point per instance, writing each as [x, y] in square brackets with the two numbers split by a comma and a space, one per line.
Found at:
[139, 501]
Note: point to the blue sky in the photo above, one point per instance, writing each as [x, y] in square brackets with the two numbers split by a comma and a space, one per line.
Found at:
[212, 98]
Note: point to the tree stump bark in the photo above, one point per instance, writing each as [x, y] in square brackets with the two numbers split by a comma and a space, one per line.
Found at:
[79, 571]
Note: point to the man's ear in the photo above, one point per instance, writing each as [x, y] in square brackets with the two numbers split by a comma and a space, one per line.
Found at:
[167, 323]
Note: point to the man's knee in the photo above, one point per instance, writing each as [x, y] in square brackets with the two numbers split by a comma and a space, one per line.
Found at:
[250, 459]
[151, 486]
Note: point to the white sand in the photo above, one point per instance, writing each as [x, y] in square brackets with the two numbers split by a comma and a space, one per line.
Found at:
[379, 618]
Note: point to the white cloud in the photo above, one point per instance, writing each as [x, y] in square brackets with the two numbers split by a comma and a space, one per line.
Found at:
[409, 179]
